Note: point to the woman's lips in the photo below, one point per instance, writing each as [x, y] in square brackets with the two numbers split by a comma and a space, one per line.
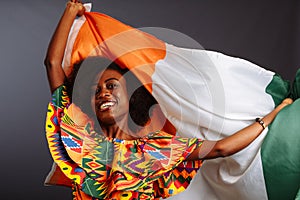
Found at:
[106, 105]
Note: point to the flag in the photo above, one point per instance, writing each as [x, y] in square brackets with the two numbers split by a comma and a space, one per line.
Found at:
[208, 95]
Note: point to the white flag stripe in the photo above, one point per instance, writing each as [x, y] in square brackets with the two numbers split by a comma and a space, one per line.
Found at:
[218, 96]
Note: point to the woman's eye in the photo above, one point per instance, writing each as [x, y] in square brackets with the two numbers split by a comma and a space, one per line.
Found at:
[112, 86]
[98, 90]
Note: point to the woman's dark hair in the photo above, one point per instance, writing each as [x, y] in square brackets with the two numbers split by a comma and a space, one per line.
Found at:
[85, 73]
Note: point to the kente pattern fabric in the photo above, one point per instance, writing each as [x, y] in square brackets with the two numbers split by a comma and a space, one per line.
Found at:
[109, 168]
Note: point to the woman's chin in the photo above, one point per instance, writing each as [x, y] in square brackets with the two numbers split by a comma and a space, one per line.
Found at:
[106, 121]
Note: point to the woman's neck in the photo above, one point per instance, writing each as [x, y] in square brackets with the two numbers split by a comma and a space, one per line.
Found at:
[118, 130]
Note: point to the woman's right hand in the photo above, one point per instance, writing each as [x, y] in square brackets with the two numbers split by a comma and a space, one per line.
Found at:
[77, 5]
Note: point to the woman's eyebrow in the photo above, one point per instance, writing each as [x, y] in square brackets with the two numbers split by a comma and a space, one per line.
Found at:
[96, 83]
[111, 79]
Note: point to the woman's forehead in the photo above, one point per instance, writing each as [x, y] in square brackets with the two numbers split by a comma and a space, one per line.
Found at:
[109, 74]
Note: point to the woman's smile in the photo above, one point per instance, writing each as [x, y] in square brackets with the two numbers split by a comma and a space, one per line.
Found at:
[106, 105]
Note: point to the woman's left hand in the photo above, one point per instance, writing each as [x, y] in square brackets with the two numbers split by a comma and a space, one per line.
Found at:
[284, 103]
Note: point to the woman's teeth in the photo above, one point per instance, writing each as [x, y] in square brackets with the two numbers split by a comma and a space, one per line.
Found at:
[107, 105]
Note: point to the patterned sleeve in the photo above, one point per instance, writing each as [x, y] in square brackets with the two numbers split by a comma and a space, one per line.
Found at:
[59, 102]
[174, 173]
[168, 151]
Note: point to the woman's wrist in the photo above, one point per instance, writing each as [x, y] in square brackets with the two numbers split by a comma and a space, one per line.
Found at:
[261, 122]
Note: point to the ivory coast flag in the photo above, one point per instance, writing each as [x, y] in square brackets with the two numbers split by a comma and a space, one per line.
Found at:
[208, 95]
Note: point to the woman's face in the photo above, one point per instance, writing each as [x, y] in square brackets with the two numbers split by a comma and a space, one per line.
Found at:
[110, 99]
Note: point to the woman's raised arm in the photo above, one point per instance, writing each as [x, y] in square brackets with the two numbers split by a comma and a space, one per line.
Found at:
[57, 45]
[236, 142]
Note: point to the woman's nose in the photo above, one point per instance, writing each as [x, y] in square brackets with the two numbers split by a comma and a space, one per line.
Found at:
[104, 93]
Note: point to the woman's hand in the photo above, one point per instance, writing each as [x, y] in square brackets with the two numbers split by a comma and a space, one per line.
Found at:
[77, 6]
[284, 103]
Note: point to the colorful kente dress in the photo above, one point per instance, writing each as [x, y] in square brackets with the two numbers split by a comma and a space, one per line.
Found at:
[109, 168]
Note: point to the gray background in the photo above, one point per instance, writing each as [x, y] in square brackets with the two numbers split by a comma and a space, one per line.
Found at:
[264, 32]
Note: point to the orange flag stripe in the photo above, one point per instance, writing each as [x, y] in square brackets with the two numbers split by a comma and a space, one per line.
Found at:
[102, 35]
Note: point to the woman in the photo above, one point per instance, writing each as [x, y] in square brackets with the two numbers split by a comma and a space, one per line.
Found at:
[117, 160]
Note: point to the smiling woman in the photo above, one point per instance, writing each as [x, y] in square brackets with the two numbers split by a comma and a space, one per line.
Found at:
[114, 160]
[104, 154]
[85, 86]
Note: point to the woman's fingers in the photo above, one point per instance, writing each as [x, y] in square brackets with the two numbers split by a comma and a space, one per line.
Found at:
[288, 101]
[76, 1]
[81, 9]
[284, 103]
[77, 5]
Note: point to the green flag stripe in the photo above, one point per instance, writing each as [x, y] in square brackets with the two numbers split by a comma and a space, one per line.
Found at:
[296, 86]
[298, 195]
[281, 147]
[278, 89]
